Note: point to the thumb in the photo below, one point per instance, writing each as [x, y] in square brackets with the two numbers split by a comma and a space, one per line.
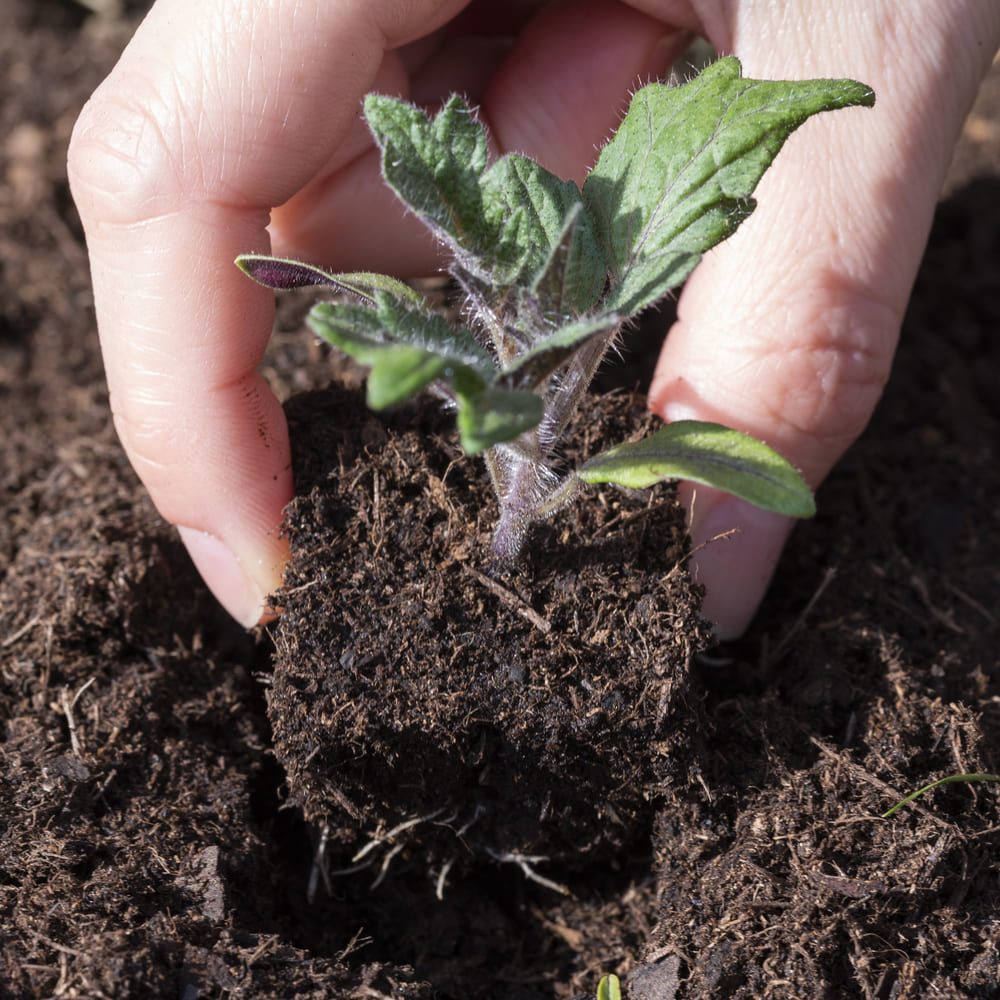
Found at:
[787, 331]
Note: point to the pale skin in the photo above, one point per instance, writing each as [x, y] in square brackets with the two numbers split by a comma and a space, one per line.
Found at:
[221, 110]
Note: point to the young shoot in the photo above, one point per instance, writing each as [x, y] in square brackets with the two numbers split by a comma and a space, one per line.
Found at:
[609, 988]
[934, 784]
[550, 272]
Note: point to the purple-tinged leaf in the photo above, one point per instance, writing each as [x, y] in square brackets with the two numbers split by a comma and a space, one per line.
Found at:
[281, 274]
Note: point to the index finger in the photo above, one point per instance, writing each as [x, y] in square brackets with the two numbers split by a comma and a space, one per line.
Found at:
[215, 113]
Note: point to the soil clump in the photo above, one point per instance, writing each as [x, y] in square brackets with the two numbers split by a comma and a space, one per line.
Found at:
[533, 712]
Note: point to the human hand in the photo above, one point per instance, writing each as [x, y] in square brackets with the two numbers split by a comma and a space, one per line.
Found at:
[217, 112]
[787, 330]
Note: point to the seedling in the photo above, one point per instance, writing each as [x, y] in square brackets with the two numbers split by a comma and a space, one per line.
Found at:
[609, 988]
[934, 784]
[550, 272]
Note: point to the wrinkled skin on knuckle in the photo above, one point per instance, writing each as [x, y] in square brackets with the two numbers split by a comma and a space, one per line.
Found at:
[803, 372]
[828, 389]
[821, 390]
[148, 140]
[122, 158]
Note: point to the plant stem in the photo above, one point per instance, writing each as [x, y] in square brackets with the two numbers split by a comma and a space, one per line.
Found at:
[525, 485]
[524, 482]
[569, 389]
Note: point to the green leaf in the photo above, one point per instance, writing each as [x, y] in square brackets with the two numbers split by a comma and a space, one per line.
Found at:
[677, 177]
[609, 988]
[400, 369]
[407, 352]
[365, 285]
[546, 236]
[492, 416]
[934, 784]
[514, 223]
[281, 273]
[432, 332]
[394, 322]
[434, 165]
[398, 373]
[572, 279]
[709, 454]
[543, 358]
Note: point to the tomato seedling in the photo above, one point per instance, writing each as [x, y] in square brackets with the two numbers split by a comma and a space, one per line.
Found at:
[550, 272]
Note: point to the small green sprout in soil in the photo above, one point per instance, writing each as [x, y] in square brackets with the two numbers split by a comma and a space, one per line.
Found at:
[609, 988]
[550, 272]
[934, 784]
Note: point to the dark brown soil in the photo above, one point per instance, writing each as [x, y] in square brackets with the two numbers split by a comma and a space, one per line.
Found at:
[536, 712]
[715, 818]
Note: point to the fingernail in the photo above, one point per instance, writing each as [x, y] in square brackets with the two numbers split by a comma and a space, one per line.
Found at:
[225, 575]
[737, 548]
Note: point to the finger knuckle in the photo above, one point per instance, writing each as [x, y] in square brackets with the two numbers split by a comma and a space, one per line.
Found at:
[829, 386]
[122, 166]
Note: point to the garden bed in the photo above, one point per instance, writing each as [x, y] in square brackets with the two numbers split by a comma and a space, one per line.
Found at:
[152, 842]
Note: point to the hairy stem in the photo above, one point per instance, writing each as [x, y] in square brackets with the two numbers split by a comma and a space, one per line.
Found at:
[526, 486]
[570, 389]
[522, 477]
